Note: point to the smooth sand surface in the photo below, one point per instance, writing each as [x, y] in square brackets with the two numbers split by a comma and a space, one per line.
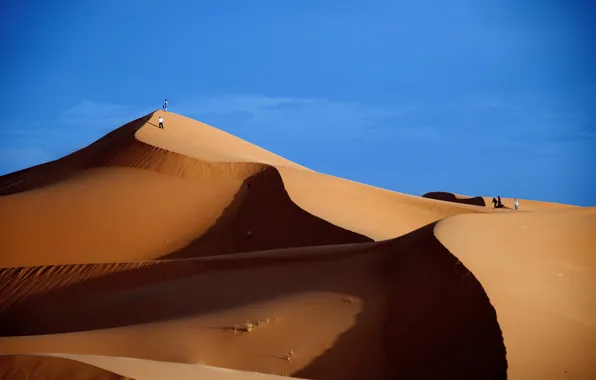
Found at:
[540, 276]
[154, 254]
[94, 367]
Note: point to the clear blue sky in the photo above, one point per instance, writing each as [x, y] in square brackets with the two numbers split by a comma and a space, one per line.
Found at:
[475, 97]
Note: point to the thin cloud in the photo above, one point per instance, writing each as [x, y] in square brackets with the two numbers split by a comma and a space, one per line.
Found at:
[91, 114]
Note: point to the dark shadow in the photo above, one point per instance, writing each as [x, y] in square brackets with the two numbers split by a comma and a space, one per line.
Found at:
[424, 315]
[450, 197]
[261, 217]
[86, 298]
[438, 322]
[93, 155]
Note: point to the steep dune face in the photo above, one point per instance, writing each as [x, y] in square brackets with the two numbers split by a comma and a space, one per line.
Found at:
[262, 216]
[100, 153]
[141, 144]
[120, 199]
[377, 213]
[399, 308]
[539, 272]
[118, 214]
[187, 245]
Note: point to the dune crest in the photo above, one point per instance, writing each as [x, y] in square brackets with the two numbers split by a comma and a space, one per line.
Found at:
[178, 252]
[539, 274]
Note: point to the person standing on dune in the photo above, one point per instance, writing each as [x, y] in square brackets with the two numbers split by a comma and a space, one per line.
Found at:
[160, 123]
[516, 204]
[165, 105]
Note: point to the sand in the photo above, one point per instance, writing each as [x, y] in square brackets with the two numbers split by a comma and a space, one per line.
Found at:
[189, 253]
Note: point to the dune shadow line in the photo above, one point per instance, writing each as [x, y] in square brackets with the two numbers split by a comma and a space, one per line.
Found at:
[438, 322]
[450, 197]
[428, 317]
[261, 217]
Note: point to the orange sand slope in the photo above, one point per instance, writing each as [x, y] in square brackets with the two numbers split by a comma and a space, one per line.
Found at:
[189, 248]
[91, 367]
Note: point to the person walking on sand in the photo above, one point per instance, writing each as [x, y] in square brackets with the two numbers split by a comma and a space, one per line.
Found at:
[160, 123]
[516, 204]
[494, 202]
[165, 105]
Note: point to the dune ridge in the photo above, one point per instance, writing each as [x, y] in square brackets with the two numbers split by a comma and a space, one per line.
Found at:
[389, 284]
[229, 195]
[187, 249]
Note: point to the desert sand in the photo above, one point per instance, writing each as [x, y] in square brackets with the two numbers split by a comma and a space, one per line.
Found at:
[188, 253]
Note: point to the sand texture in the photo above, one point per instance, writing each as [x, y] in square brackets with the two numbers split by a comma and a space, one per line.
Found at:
[188, 253]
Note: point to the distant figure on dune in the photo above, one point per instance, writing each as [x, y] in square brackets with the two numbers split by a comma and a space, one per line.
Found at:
[494, 202]
[165, 105]
[497, 202]
[516, 204]
[160, 121]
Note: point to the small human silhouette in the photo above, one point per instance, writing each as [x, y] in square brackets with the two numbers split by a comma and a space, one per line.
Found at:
[494, 202]
[160, 121]
[516, 204]
[165, 105]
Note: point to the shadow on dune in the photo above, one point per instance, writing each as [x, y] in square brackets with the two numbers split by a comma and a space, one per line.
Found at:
[424, 315]
[95, 154]
[438, 321]
[261, 217]
[449, 197]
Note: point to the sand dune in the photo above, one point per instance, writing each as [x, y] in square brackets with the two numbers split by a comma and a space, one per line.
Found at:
[540, 276]
[83, 367]
[365, 302]
[153, 253]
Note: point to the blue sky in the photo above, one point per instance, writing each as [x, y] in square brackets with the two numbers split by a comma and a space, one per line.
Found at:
[475, 97]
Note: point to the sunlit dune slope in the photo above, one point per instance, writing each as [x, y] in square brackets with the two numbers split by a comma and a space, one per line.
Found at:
[525, 204]
[92, 367]
[97, 201]
[20, 367]
[375, 310]
[531, 205]
[135, 146]
[162, 253]
[539, 271]
[122, 199]
[124, 214]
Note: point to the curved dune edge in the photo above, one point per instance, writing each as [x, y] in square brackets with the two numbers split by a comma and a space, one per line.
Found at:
[195, 208]
[131, 143]
[336, 287]
[540, 274]
[383, 309]
[90, 183]
[150, 216]
[93, 367]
